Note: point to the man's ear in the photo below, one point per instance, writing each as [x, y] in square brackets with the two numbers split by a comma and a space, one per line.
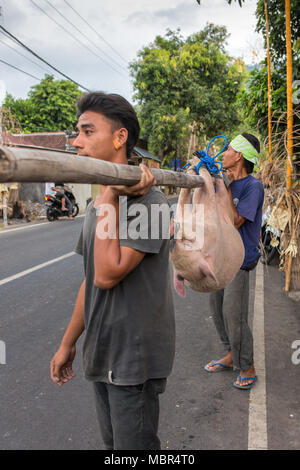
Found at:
[121, 135]
[239, 157]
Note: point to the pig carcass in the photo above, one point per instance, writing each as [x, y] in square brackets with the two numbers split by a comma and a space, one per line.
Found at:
[208, 250]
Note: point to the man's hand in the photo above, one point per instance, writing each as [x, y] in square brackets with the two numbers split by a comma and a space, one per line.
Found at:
[139, 189]
[229, 175]
[61, 365]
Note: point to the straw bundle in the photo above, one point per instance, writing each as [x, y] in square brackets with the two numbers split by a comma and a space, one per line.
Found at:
[285, 204]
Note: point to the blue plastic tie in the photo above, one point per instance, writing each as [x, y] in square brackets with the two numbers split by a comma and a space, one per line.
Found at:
[207, 160]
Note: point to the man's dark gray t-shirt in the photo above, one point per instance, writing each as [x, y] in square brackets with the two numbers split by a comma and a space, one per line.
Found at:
[130, 329]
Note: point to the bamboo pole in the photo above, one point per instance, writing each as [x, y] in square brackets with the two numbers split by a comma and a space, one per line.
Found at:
[269, 83]
[21, 165]
[289, 76]
[289, 80]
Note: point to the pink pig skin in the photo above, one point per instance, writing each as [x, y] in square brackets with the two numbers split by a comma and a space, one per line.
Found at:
[213, 264]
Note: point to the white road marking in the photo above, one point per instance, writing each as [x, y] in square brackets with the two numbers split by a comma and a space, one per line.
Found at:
[257, 428]
[35, 268]
[9, 230]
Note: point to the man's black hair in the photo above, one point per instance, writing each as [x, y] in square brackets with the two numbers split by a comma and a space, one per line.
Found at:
[256, 144]
[115, 108]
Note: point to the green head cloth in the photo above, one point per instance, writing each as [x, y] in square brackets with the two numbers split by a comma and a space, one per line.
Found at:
[240, 144]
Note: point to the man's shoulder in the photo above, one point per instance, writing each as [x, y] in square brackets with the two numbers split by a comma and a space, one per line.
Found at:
[257, 185]
[252, 183]
[153, 196]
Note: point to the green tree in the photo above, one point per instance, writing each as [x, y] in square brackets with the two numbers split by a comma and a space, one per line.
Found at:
[276, 13]
[179, 81]
[21, 109]
[50, 105]
[254, 98]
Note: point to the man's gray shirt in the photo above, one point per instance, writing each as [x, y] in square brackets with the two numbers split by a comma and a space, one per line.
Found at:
[130, 329]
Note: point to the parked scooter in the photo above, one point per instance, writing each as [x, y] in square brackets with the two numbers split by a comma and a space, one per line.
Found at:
[268, 233]
[54, 207]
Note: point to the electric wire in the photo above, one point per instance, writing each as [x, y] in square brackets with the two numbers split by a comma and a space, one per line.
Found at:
[42, 68]
[20, 70]
[80, 32]
[23, 55]
[36, 78]
[74, 37]
[41, 59]
[95, 31]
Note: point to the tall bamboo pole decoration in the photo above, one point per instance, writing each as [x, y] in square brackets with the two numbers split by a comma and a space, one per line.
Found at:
[269, 82]
[289, 79]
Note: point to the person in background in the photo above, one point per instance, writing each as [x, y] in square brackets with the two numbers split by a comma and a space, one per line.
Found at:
[230, 305]
[61, 192]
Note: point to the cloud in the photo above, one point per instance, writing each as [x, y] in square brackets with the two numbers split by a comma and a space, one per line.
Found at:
[186, 15]
[127, 26]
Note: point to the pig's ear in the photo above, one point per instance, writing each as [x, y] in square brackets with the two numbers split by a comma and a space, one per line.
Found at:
[206, 268]
[206, 193]
[179, 285]
[184, 203]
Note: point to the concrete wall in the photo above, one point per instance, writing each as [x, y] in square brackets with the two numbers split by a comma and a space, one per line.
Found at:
[82, 192]
[35, 192]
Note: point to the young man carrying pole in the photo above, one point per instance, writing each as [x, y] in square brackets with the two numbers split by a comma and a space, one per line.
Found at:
[125, 303]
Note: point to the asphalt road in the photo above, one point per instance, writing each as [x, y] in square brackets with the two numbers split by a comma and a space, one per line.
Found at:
[199, 411]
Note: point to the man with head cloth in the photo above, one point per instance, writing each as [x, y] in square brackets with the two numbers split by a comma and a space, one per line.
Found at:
[230, 305]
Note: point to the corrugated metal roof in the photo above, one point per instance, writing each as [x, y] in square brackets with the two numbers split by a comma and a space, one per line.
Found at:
[145, 154]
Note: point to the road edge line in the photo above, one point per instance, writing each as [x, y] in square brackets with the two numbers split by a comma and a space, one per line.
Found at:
[257, 424]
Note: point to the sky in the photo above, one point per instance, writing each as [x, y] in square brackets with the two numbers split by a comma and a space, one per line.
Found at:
[108, 37]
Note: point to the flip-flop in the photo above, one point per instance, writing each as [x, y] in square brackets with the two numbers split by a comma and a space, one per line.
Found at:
[245, 387]
[216, 363]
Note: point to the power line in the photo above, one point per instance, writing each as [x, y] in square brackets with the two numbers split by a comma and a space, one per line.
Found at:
[33, 76]
[95, 31]
[42, 68]
[80, 32]
[41, 59]
[74, 37]
[27, 73]
[22, 55]
[20, 70]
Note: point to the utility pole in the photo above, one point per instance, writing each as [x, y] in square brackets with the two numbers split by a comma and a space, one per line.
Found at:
[4, 201]
[2, 96]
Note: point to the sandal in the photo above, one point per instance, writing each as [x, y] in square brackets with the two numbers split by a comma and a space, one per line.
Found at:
[216, 363]
[245, 387]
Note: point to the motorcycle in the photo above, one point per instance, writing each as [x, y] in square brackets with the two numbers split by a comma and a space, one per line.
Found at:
[268, 234]
[54, 207]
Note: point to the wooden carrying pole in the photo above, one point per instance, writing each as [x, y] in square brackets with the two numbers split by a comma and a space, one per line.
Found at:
[35, 165]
